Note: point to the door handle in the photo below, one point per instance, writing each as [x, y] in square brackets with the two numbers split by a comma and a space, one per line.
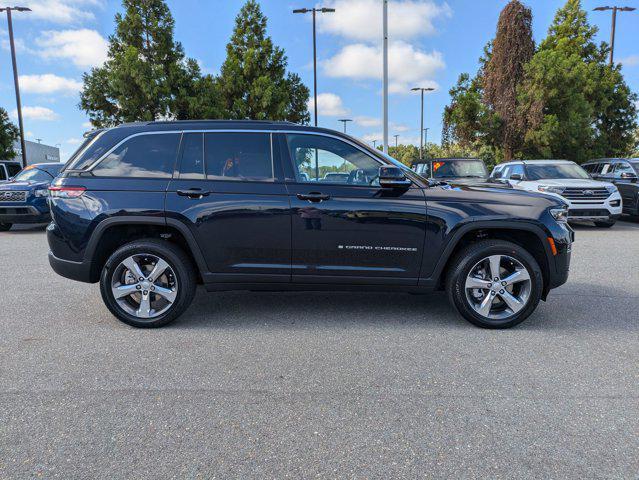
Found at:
[313, 196]
[193, 193]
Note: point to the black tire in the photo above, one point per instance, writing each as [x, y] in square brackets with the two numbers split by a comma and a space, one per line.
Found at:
[5, 227]
[179, 262]
[605, 223]
[465, 260]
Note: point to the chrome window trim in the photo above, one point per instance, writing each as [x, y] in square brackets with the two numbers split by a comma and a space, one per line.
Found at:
[229, 130]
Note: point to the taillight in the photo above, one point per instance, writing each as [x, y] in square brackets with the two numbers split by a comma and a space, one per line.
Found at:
[63, 191]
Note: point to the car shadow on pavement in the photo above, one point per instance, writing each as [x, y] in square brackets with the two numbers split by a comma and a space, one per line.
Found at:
[317, 309]
[571, 307]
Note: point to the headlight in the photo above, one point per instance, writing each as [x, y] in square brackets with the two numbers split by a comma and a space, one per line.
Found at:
[42, 193]
[611, 189]
[551, 189]
[560, 214]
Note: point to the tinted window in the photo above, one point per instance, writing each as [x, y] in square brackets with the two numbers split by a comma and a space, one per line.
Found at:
[459, 168]
[555, 170]
[13, 170]
[590, 168]
[151, 156]
[31, 174]
[192, 164]
[90, 150]
[518, 169]
[622, 167]
[238, 156]
[328, 160]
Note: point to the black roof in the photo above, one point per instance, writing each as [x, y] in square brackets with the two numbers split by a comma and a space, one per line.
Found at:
[219, 124]
[443, 159]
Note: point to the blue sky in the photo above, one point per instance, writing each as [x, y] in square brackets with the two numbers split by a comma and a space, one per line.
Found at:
[432, 42]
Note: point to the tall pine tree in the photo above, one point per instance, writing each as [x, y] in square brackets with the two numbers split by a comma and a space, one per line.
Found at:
[146, 75]
[512, 49]
[253, 83]
[575, 105]
[8, 135]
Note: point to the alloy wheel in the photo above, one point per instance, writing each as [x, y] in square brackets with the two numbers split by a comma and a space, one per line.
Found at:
[498, 287]
[144, 285]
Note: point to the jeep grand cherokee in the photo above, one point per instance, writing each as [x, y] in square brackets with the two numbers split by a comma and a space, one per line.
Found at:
[150, 210]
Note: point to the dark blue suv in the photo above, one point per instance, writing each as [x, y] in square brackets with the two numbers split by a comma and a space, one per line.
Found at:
[24, 198]
[150, 210]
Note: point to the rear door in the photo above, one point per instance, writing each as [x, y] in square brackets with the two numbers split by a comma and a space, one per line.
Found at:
[350, 232]
[230, 193]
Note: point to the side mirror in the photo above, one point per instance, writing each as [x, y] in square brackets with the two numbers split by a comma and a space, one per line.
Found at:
[516, 177]
[629, 176]
[393, 177]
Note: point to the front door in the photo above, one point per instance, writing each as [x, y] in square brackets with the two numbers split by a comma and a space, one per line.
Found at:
[230, 193]
[345, 228]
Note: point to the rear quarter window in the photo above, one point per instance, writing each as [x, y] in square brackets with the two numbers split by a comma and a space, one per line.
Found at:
[141, 156]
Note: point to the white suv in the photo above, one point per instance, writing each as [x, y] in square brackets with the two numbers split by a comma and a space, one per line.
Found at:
[587, 199]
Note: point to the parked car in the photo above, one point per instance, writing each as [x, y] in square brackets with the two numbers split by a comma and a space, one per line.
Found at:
[587, 199]
[151, 209]
[453, 170]
[622, 172]
[23, 199]
[9, 169]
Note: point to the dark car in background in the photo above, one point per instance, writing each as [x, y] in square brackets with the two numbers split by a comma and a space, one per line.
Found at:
[9, 169]
[23, 199]
[151, 209]
[453, 170]
[623, 173]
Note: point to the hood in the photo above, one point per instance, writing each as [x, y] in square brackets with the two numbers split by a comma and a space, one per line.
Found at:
[572, 182]
[23, 185]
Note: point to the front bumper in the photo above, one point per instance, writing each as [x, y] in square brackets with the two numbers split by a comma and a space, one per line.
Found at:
[608, 209]
[22, 213]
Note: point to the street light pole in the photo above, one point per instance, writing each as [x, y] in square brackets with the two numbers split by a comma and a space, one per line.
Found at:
[344, 121]
[15, 78]
[421, 128]
[396, 137]
[614, 25]
[385, 74]
[314, 11]
[426, 136]
[374, 143]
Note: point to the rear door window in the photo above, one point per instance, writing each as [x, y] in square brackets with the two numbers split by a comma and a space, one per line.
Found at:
[3, 175]
[238, 156]
[13, 170]
[192, 164]
[141, 156]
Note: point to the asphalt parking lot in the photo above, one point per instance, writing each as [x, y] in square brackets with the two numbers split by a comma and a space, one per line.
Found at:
[275, 385]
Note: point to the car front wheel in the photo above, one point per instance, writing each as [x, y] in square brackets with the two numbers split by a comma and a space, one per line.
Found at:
[5, 227]
[148, 283]
[494, 284]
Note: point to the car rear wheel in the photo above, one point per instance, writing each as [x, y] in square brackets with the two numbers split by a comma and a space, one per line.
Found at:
[148, 283]
[5, 227]
[605, 223]
[494, 284]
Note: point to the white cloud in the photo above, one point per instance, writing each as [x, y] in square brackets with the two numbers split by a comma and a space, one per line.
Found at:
[84, 47]
[364, 121]
[61, 11]
[369, 137]
[87, 125]
[328, 104]
[407, 66]
[36, 113]
[73, 141]
[362, 19]
[49, 83]
[630, 61]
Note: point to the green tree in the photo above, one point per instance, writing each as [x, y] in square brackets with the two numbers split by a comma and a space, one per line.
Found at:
[146, 75]
[512, 49]
[574, 104]
[8, 135]
[406, 154]
[253, 82]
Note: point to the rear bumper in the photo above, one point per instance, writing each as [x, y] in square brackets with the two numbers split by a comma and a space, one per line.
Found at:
[79, 271]
[23, 214]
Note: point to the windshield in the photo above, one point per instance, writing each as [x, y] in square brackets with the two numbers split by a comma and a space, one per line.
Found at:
[555, 171]
[31, 174]
[459, 168]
